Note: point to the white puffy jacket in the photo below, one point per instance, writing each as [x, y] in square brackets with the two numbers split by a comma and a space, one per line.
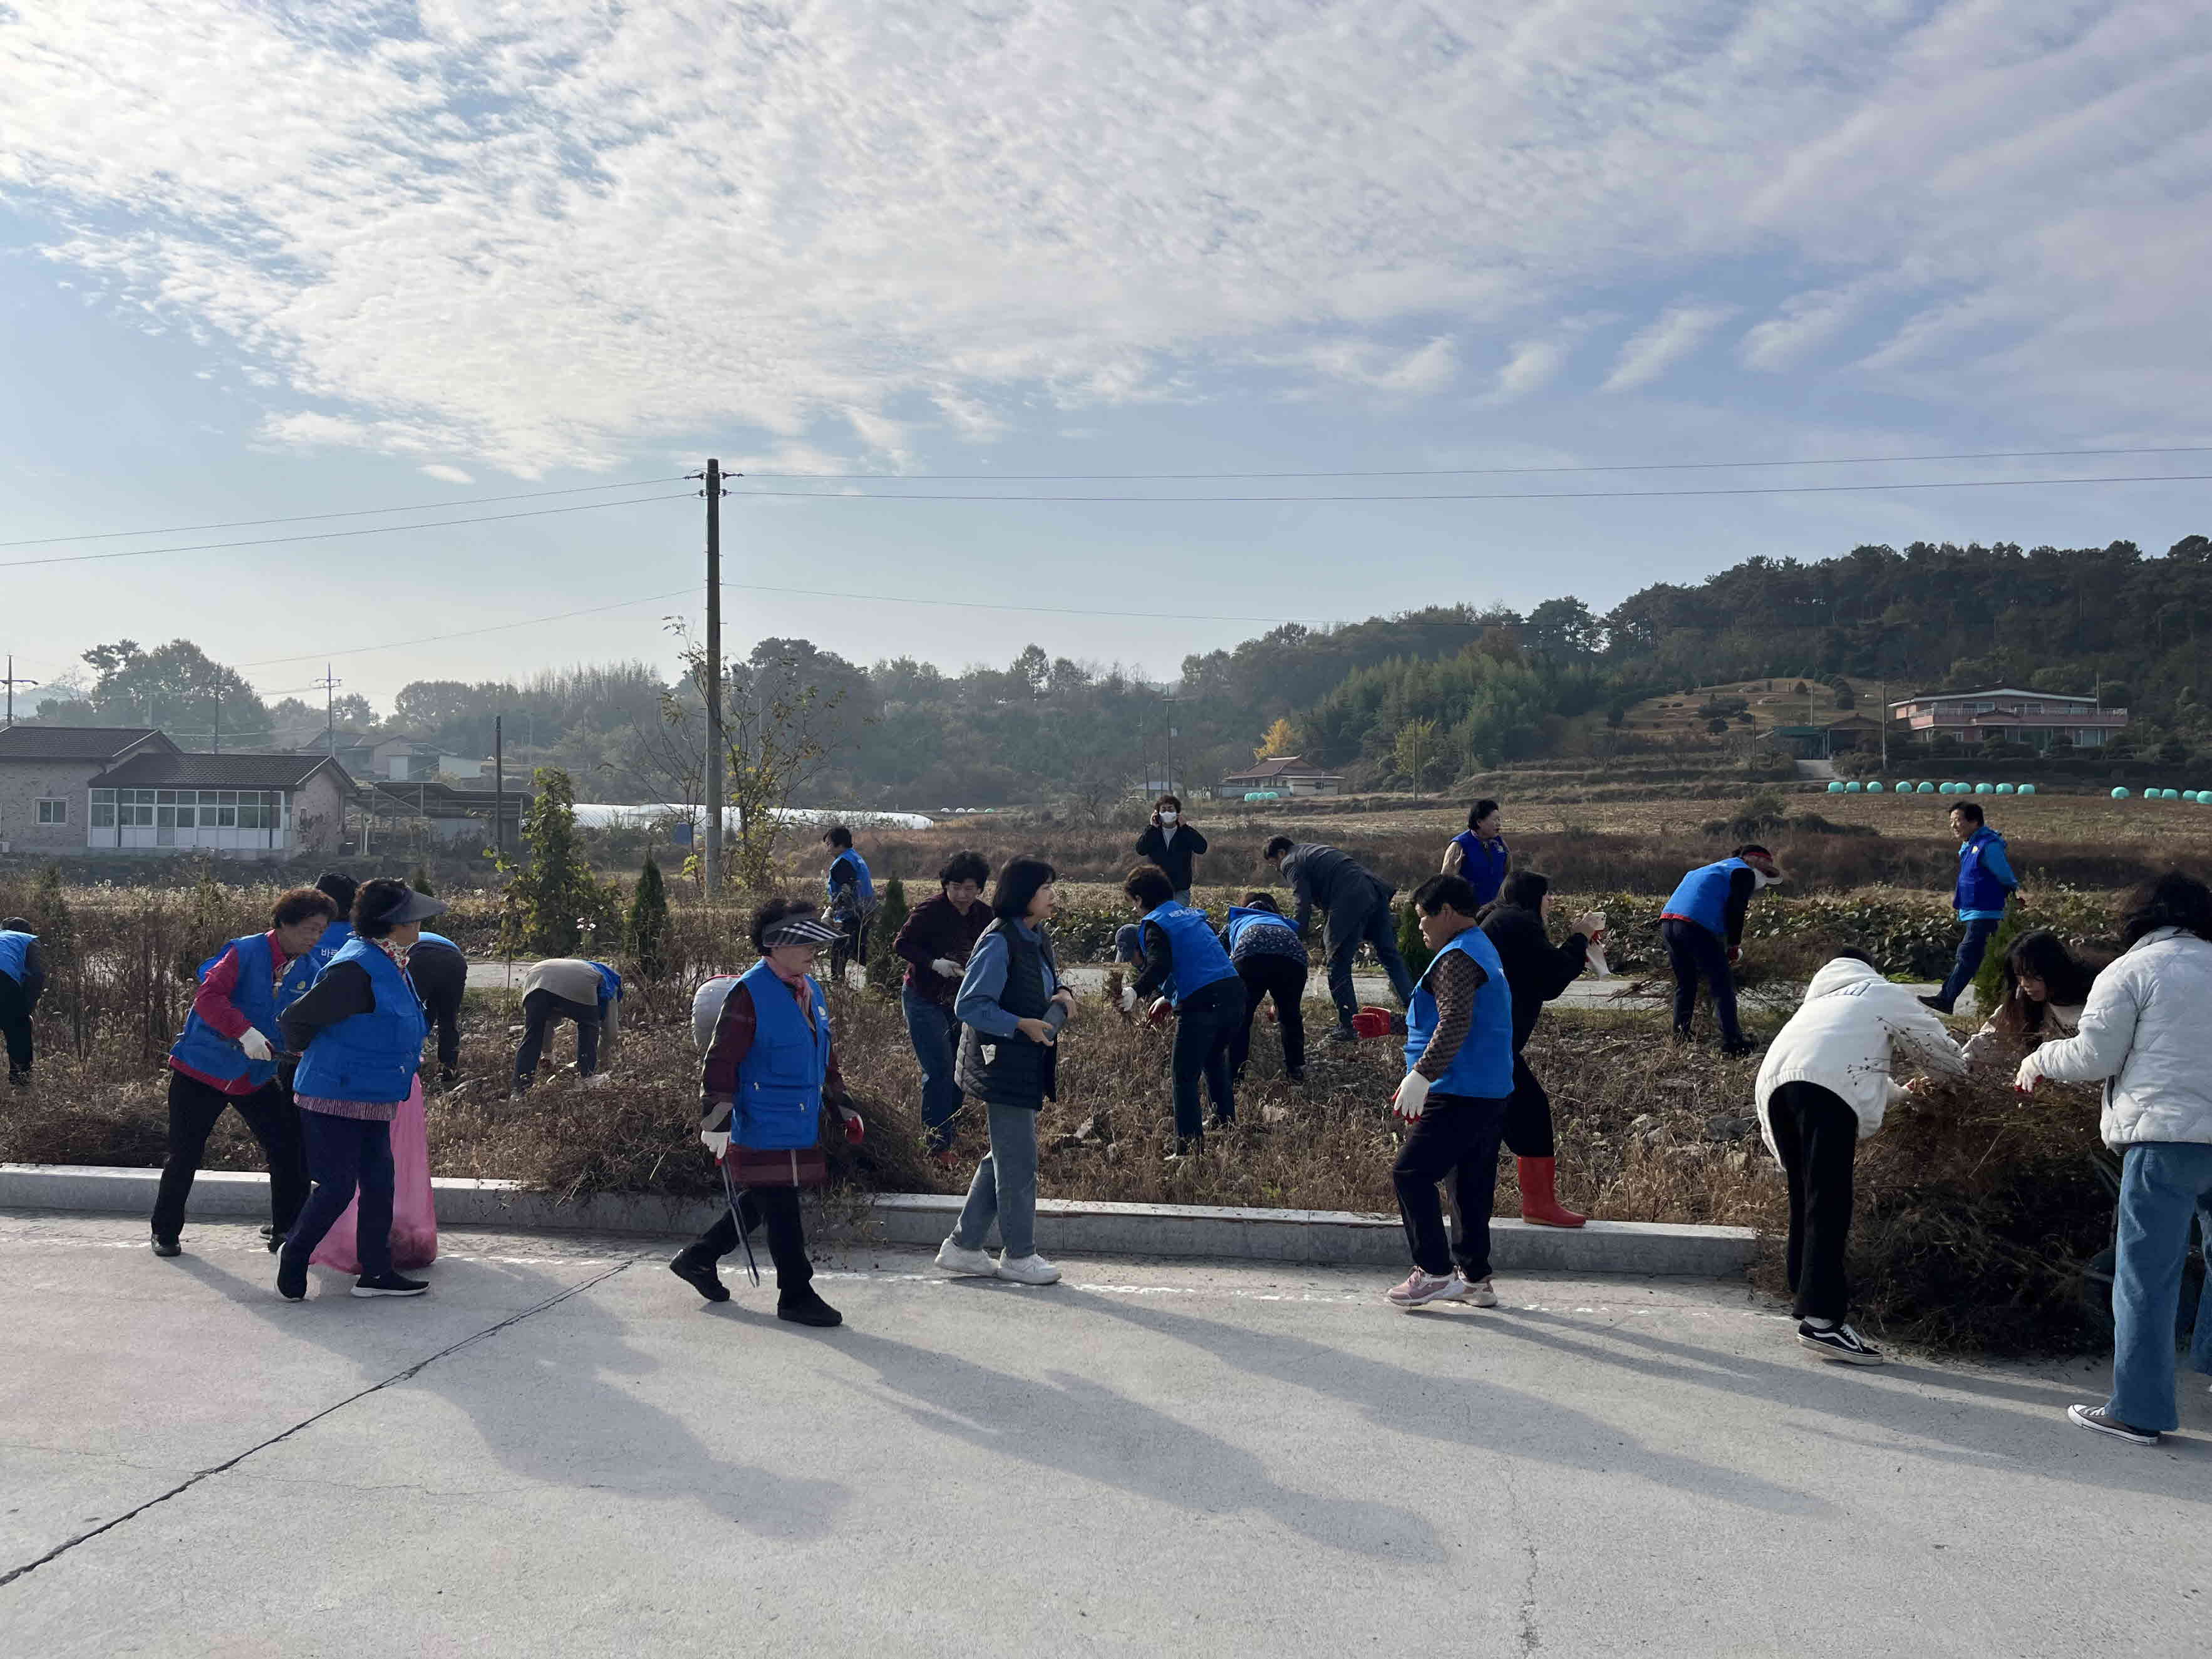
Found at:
[1840, 1038]
[2146, 1034]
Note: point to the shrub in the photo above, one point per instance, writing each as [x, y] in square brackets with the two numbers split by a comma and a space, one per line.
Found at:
[420, 881]
[555, 901]
[1411, 945]
[884, 968]
[647, 930]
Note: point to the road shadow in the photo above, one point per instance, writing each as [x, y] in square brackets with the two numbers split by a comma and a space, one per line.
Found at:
[552, 1413]
[1077, 1426]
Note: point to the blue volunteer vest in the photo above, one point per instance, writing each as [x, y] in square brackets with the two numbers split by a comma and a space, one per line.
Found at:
[1485, 870]
[1978, 888]
[1702, 896]
[15, 951]
[1200, 961]
[300, 972]
[370, 1056]
[610, 987]
[208, 1051]
[428, 937]
[1483, 1068]
[1242, 922]
[864, 884]
[779, 1099]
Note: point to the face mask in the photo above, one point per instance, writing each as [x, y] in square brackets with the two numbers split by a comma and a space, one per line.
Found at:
[1168, 818]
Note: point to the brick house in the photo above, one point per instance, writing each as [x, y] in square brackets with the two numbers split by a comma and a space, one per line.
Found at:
[265, 807]
[44, 773]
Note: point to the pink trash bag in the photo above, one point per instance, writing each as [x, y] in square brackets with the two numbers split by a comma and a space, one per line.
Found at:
[414, 1218]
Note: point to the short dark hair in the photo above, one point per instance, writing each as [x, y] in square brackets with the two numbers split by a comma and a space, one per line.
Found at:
[2173, 901]
[341, 887]
[1175, 801]
[375, 899]
[964, 866]
[1149, 885]
[1524, 890]
[1446, 892]
[1750, 848]
[1262, 902]
[1017, 885]
[1968, 811]
[1276, 847]
[1479, 811]
[15, 924]
[775, 910]
[299, 903]
[1852, 953]
[838, 836]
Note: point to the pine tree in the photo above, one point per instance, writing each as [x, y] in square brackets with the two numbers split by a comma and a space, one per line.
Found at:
[556, 896]
[421, 881]
[1411, 945]
[884, 968]
[646, 934]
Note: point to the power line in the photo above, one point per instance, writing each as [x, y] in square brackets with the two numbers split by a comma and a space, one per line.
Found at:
[1481, 472]
[465, 633]
[1034, 609]
[335, 535]
[1499, 496]
[350, 512]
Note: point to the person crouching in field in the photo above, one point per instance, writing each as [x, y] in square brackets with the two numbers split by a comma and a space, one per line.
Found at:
[1822, 1088]
[1271, 959]
[768, 1071]
[2044, 988]
[225, 1058]
[1702, 924]
[1459, 1075]
[1187, 967]
[22, 981]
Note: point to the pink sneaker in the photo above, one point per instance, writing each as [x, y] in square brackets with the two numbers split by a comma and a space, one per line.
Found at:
[1422, 1288]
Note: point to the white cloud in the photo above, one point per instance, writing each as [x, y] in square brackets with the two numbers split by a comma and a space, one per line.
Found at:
[1654, 349]
[553, 234]
[444, 474]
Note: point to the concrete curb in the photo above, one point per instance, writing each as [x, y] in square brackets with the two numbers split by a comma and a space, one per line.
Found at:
[1332, 1237]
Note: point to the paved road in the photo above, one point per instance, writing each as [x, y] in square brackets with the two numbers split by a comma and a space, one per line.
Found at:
[563, 1451]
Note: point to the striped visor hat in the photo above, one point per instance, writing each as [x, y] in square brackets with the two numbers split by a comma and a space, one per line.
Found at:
[798, 930]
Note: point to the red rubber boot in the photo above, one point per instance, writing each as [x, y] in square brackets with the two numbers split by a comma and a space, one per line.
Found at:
[1540, 1203]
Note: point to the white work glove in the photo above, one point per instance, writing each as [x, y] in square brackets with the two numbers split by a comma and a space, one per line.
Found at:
[718, 1144]
[2028, 1076]
[256, 1045]
[946, 968]
[1412, 1095]
[1128, 998]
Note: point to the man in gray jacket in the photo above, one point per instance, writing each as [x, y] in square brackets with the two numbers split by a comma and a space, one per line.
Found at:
[1356, 906]
[2144, 1035]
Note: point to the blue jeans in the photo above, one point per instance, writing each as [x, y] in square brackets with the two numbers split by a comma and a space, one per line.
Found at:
[2162, 1183]
[935, 1034]
[345, 1154]
[1004, 1188]
[1972, 949]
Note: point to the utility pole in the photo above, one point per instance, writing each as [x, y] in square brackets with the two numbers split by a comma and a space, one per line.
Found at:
[713, 867]
[12, 684]
[499, 785]
[330, 683]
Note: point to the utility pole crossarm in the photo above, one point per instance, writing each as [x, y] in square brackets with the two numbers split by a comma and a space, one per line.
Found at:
[12, 683]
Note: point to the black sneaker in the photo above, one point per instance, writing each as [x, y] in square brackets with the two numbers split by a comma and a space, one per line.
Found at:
[388, 1285]
[700, 1276]
[807, 1309]
[2103, 1422]
[1936, 1003]
[275, 1240]
[166, 1244]
[292, 1277]
[1738, 1050]
[1296, 1074]
[1344, 1034]
[1839, 1342]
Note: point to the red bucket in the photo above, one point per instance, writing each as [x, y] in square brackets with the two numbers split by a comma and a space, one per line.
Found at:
[1372, 1021]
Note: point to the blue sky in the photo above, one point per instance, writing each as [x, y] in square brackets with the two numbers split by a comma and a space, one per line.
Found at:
[260, 260]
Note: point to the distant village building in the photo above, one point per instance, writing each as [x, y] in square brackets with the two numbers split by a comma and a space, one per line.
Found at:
[448, 813]
[1844, 735]
[395, 757]
[44, 771]
[1288, 774]
[2042, 720]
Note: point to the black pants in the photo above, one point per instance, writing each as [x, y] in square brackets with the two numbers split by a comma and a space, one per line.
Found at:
[1360, 918]
[541, 1010]
[1283, 978]
[194, 1107]
[1816, 1135]
[15, 1022]
[1455, 1135]
[852, 944]
[1206, 1025]
[776, 1208]
[1697, 953]
[1528, 1114]
[440, 977]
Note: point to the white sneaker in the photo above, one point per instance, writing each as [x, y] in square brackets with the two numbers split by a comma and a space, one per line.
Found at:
[954, 1260]
[1031, 1269]
[1475, 1295]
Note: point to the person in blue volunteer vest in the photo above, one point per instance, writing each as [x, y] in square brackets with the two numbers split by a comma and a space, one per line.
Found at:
[1986, 885]
[342, 889]
[1270, 957]
[228, 1056]
[769, 1070]
[441, 973]
[851, 900]
[22, 981]
[358, 1032]
[1459, 1076]
[1187, 969]
[1702, 925]
[1479, 852]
